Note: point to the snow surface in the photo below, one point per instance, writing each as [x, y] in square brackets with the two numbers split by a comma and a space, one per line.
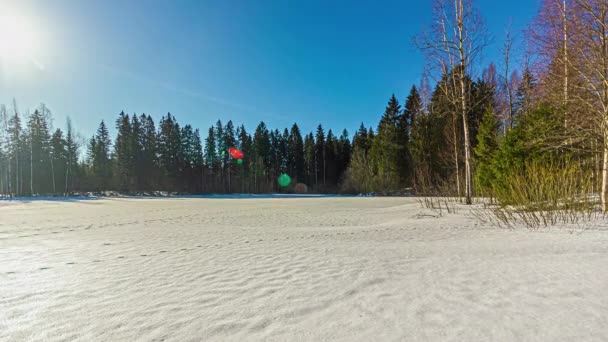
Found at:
[291, 269]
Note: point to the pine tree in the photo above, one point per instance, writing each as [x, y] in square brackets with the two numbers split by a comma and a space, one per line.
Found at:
[148, 160]
[187, 147]
[197, 160]
[5, 171]
[389, 147]
[15, 150]
[344, 154]
[170, 152]
[211, 157]
[124, 156]
[229, 140]
[40, 158]
[360, 140]
[245, 145]
[413, 108]
[275, 138]
[523, 96]
[72, 147]
[427, 148]
[284, 152]
[487, 145]
[137, 155]
[262, 163]
[320, 162]
[296, 152]
[331, 155]
[482, 98]
[99, 150]
[58, 160]
[309, 155]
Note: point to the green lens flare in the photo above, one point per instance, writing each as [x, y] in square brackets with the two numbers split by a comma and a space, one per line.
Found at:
[239, 161]
[284, 180]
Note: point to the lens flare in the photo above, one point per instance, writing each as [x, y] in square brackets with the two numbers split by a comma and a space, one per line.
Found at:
[284, 180]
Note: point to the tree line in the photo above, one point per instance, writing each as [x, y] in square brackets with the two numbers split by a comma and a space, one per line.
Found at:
[538, 127]
[145, 156]
[466, 129]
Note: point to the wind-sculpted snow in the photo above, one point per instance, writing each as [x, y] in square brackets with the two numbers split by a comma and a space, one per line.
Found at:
[303, 269]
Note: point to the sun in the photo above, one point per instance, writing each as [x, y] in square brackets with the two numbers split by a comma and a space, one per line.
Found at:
[18, 41]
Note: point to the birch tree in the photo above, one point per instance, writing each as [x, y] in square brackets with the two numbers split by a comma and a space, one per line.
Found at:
[588, 35]
[453, 45]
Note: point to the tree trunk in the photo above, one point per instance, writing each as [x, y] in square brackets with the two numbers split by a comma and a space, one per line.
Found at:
[53, 175]
[565, 47]
[508, 85]
[67, 176]
[31, 166]
[463, 101]
[456, 161]
[467, 161]
[17, 189]
[604, 194]
[10, 178]
[324, 168]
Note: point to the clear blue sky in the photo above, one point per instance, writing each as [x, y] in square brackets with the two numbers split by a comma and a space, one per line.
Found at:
[312, 61]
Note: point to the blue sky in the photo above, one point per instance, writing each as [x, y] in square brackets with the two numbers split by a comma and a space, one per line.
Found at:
[314, 61]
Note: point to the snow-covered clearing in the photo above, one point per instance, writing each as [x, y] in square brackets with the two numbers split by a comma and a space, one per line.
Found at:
[291, 269]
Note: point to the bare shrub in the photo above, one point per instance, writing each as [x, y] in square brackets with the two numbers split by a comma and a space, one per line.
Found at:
[543, 194]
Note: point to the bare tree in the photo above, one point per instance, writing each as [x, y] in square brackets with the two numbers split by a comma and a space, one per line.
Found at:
[588, 60]
[508, 84]
[453, 44]
[550, 41]
[16, 146]
[4, 144]
[72, 150]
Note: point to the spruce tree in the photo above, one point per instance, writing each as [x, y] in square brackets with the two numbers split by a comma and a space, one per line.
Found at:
[39, 137]
[482, 99]
[123, 154]
[284, 152]
[344, 153]
[244, 144]
[320, 162]
[262, 153]
[331, 155]
[149, 161]
[360, 140]
[197, 158]
[137, 156]
[15, 151]
[413, 108]
[210, 156]
[72, 147]
[309, 155]
[296, 152]
[170, 152]
[189, 154]
[229, 140]
[487, 145]
[523, 96]
[99, 150]
[388, 147]
[58, 160]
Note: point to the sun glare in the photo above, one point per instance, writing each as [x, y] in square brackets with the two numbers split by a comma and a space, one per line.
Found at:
[18, 43]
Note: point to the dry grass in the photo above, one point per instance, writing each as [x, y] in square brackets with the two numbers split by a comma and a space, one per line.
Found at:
[542, 195]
